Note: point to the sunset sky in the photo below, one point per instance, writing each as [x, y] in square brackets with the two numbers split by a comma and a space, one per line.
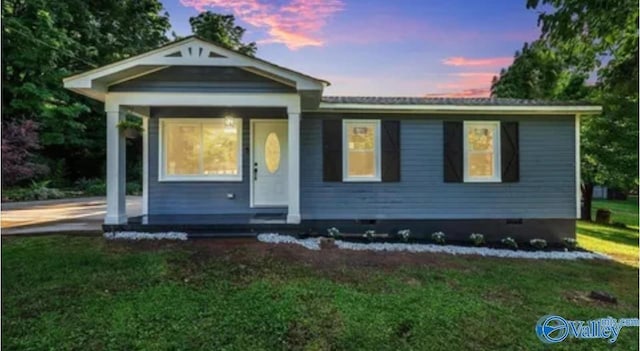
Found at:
[384, 48]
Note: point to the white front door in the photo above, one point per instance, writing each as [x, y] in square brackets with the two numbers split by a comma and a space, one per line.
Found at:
[270, 163]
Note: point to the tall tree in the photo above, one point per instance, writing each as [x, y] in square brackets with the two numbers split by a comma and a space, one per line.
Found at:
[221, 29]
[587, 37]
[539, 72]
[44, 41]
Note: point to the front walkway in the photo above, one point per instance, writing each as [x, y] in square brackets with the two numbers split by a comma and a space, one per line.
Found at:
[66, 215]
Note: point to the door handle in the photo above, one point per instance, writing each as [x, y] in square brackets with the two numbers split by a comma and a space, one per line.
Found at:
[255, 171]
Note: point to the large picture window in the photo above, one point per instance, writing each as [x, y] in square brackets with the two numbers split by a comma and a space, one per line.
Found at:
[482, 151]
[201, 149]
[361, 150]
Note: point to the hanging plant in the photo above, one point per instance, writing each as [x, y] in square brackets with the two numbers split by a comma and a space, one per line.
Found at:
[130, 129]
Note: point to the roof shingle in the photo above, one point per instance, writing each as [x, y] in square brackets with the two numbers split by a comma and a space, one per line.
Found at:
[406, 100]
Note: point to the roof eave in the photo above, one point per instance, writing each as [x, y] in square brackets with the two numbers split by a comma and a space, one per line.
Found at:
[460, 109]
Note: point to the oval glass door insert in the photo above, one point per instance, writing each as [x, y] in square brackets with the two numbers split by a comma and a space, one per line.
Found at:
[272, 152]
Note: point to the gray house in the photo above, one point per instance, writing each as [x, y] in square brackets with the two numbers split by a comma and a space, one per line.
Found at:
[236, 144]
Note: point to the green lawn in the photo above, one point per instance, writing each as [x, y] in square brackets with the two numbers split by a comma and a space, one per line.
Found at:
[619, 243]
[83, 293]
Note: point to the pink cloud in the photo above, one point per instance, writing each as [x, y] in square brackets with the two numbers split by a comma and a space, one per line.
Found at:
[476, 62]
[465, 93]
[296, 24]
[465, 84]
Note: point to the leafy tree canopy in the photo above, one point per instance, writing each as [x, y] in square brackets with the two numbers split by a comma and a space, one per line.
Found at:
[221, 29]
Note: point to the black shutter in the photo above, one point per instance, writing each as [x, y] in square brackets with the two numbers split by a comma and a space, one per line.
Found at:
[452, 152]
[510, 153]
[390, 140]
[332, 150]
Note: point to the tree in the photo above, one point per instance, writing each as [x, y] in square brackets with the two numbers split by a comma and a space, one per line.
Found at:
[586, 37]
[221, 29]
[539, 72]
[19, 140]
[44, 41]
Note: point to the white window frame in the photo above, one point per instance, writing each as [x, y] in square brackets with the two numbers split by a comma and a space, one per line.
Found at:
[345, 151]
[497, 170]
[163, 177]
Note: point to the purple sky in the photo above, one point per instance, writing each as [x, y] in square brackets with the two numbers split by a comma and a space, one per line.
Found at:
[374, 47]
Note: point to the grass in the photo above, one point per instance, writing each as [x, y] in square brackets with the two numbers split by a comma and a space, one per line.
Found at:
[619, 243]
[83, 293]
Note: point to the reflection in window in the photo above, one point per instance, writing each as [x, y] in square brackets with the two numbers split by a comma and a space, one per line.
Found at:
[362, 140]
[272, 152]
[481, 146]
[207, 148]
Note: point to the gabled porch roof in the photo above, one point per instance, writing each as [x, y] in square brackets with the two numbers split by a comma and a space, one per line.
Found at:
[190, 51]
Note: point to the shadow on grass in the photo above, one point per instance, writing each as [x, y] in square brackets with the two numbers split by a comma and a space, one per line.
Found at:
[609, 233]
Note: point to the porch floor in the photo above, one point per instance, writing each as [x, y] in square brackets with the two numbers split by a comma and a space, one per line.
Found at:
[210, 225]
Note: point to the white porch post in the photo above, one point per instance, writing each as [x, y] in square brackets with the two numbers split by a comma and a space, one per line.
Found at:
[145, 165]
[293, 215]
[116, 168]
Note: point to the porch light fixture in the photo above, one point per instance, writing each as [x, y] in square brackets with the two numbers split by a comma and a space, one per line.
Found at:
[229, 125]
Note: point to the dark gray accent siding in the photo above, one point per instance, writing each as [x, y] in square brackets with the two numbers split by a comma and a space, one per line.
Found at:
[202, 79]
[202, 197]
[546, 188]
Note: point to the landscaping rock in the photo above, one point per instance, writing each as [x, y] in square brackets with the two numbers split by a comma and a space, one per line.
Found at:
[603, 296]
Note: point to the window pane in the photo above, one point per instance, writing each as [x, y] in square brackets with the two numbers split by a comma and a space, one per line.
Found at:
[480, 151]
[481, 139]
[272, 152]
[182, 148]
[220, 148]
[481, 164]
[361, 157]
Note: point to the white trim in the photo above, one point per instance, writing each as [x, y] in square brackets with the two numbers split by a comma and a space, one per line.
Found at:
[116, 211]
[497, 172]
[578, 170]
[345, 152]
[493, 109]
[291, 101]
[145, 165]
[195, 52]
[293, 212]
[162, 177]
[136, 75]
[252, 123]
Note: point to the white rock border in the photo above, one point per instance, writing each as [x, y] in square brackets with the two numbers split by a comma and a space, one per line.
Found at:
[314, 244]
[274, 238]
[145, 236]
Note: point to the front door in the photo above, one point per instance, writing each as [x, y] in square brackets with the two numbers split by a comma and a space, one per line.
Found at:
[270, 163]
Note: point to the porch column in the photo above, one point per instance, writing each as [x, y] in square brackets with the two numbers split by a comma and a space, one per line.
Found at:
[116, 168]
[293, 215]
[145, 165]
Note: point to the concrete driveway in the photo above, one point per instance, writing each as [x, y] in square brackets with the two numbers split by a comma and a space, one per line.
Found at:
[67, 215]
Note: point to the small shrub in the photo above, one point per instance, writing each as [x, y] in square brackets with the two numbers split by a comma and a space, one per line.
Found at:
[333, 232]
[570, 243]
[92, 187]
[41, 191]
[477, 239]
[538, 243]
[510, 242]
[369, 234]
[438, 238]
[404, 234]
[134, 188]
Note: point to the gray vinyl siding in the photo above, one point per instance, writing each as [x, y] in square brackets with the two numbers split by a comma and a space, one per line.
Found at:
[202, 79]
[199, 197]
[546, 188]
